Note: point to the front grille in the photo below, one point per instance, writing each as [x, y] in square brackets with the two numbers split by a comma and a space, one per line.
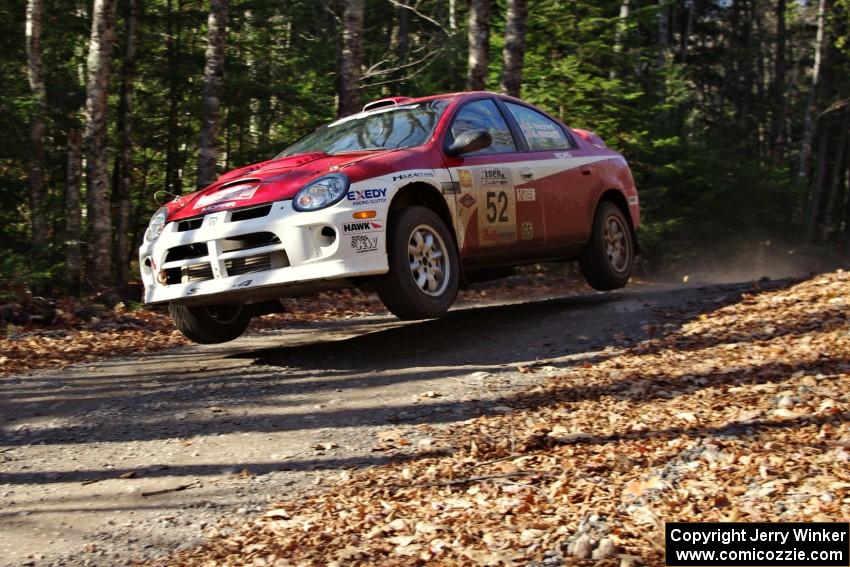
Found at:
[187, 251]
[256, 263]
[248, 265]
[198, 273]
[248, 241]
[191, 224]
[251, 213]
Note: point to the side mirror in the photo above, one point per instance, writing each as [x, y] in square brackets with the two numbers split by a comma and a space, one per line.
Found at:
[470, 141]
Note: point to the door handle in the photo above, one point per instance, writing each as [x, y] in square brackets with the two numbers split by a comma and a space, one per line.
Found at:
[526, 173]
[586, 171]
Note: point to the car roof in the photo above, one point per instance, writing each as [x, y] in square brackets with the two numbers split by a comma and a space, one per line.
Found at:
[452, 95]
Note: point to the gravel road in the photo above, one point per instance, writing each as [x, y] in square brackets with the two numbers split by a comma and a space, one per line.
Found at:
[132, 458]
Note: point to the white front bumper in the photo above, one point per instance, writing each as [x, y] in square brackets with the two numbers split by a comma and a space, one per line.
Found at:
[291, 250]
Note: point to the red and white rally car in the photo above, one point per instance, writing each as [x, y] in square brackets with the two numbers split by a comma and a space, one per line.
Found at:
[417, 196]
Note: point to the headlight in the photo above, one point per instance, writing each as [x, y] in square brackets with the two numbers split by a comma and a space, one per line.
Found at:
[321, 193]
[156, 225]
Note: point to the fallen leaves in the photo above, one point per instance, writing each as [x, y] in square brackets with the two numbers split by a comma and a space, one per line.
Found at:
[737, 413]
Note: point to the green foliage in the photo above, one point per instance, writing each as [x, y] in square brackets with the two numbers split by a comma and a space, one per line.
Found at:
[692, 115]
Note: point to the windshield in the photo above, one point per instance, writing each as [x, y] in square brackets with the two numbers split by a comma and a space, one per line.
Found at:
[388, 128]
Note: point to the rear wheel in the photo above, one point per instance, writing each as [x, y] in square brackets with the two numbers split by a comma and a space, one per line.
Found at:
[210, 324]
[609, 257]
[424, 267]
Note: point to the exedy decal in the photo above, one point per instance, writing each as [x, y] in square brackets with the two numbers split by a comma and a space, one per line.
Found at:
[413, 174]
[367, 196]
[363, 226]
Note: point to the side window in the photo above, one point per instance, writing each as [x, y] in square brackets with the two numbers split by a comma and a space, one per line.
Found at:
[484, 115]
[540, 132]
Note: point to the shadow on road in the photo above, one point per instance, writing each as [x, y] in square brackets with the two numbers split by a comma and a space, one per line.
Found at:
[271, 383]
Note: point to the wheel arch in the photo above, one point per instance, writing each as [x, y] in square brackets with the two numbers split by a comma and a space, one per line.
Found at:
[425, 195]
[619, 199]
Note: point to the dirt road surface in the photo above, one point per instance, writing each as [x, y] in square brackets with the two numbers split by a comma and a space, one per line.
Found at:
[127, 459]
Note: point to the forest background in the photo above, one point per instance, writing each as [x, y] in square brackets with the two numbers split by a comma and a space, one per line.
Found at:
[734, 114]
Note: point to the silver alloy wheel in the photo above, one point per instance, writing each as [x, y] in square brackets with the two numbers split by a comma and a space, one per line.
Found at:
[617, 244]
[428, 257]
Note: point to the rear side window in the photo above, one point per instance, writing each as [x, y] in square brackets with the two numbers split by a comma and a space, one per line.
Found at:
[540, 132]
[484, 115]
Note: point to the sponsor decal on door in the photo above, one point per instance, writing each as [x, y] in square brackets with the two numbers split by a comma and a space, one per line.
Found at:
[497, 208]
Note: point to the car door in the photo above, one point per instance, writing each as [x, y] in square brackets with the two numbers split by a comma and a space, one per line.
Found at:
[493, 220]
[563, 177]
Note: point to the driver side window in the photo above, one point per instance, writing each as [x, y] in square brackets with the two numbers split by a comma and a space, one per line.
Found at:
[484, 115]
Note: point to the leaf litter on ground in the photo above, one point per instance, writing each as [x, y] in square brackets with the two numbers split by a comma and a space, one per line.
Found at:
[740, 414]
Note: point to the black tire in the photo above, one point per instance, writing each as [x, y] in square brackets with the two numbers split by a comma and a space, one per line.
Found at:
[208, 324]
[609, 256]
[398, 289]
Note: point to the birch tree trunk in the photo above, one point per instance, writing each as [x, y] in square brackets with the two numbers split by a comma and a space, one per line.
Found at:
[99, 253]
[73, 220]
[173, 163]
[125, 129]
[351, 58]
[514, 50]
[619, 32]
[213, 74]
[35, 76]
[479, 44]
[809, 112]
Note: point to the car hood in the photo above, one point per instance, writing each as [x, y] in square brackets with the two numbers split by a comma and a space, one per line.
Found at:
[263, 182]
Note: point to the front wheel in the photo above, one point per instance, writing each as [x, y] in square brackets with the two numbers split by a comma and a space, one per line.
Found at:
[609, 257]
[210, 324]
[424, 266]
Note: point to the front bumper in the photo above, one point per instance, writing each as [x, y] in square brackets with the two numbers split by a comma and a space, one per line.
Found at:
[248, 255]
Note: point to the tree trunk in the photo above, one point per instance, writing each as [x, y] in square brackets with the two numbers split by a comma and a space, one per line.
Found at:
[809, 112]
[351, 58]
[663, 23]
[514, 50]
[213, 74]
[173, 182]
[836, 182]
[619, 32]
[402, 42]
[99, 253]
[817, 192]
[689, 9]
[125, 129]
[778, 95]
[73, 221]
[35, 76]
[479, 44]
[453, 15]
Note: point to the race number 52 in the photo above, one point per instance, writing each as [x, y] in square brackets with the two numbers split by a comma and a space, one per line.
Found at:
[497, 207]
